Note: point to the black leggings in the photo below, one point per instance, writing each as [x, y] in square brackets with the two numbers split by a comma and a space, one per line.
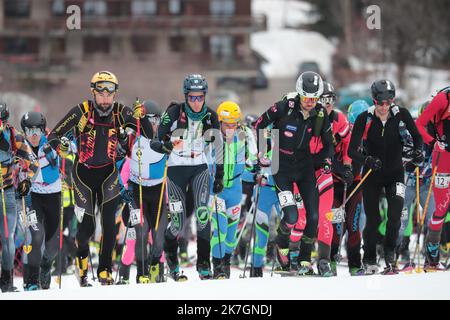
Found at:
[198, 179]
[93, 181]
[48, 208]
[395, 195]
[306, 182]
[353, 210]
[150, 203]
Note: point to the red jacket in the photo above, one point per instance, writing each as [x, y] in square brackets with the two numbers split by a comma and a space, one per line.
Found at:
[438, 112]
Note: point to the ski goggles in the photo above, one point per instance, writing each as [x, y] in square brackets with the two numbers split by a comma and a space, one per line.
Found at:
[196, 98]
[305, 99]
[383, 102]
[34, 131]
[154, 119]
[105, 86]
[327, 100]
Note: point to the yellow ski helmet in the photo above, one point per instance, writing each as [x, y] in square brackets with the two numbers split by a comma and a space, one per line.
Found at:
[229, 112]
[104, 81]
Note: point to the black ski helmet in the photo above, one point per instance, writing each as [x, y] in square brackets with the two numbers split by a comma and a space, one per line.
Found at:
[195, 83]
[383, 90]
[33, 119]
[309, 84]
[152, 109]
[4, 111]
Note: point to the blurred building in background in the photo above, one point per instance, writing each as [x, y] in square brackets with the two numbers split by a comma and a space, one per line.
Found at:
[150, 44]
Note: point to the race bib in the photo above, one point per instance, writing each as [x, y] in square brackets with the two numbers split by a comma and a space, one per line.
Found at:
[286, 199]
[338, 215]
[404, 215]
[299, 201]
[135, 216]
[400, 189]
[31, 218]
[131, 234]
[220, 205]
[79, 213]
[175, 207]
[442, 180]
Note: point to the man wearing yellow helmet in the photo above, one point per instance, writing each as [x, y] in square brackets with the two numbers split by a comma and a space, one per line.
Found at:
[96, 124]
[239, 150]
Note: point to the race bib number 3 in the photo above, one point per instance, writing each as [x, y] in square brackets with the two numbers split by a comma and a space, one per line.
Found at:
[442, 180]
[286, 199]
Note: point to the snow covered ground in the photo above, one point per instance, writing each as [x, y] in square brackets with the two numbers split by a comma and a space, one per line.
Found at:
[403, 286]
[285, 49]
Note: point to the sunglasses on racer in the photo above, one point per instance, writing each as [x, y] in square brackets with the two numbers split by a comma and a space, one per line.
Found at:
[327, 100]
[154, 119]
[305, 99]
[383, 102]
[196, 98]
[34, 131]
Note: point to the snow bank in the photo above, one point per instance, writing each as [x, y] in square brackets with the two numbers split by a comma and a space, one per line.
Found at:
[285, 49]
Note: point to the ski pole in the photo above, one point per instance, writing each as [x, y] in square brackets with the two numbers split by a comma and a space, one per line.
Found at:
[358, 186]
[5, 219]
[418, 218]
[244, 224]
[139, 155]
[26, 247]
[338, 256]
[425, 209]
[251, 230]
[124, 244]
[218, 225]
[61, 218]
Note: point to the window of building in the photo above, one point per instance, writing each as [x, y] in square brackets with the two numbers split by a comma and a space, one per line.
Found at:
[93, 45]
[221, 46]
[222, 7]
[175, 6]
[17, 8]
[143, 44]
[143, 7]
[95, 7]
[176, 43]
[59, 7]
[19, 45]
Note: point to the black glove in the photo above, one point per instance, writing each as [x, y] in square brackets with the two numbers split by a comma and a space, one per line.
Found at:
[126, 195]
[373, 163]
[167, 147]
[218, 185]
[325, 167]
[347, 175]
[24, 187]
[417, 158]
[48, 151]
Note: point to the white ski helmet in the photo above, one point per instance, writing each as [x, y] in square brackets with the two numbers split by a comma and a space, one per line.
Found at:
[310, 85]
